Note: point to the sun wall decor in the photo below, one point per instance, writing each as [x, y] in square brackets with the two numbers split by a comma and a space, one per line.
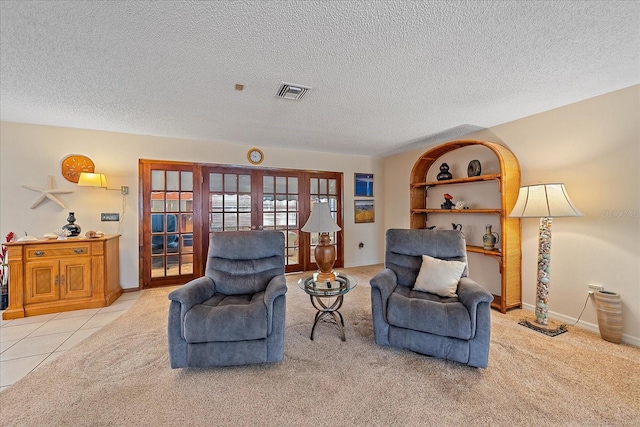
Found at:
[74, 164]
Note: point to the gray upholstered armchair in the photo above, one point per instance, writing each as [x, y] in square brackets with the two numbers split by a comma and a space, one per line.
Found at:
[451, 327]
[235, 313]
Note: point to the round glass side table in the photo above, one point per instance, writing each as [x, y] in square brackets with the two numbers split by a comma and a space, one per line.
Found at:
[319, 292]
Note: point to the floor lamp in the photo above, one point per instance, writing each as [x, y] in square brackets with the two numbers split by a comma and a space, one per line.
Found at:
[544, 201]
[321, 221]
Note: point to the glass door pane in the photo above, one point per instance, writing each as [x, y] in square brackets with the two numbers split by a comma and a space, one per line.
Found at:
[230, 201]
[281, 211]
[171, 217]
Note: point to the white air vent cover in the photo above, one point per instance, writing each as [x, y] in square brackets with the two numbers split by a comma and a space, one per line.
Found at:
[292, 91]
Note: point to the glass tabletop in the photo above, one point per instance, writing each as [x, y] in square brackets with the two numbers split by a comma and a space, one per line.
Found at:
[343, 284]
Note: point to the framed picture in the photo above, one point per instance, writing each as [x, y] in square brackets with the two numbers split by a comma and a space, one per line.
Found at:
[364, 211]
[363, 184]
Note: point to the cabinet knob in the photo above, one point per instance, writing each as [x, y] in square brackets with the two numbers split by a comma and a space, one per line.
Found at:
[38, 253]
[56, 280]
[78, 250]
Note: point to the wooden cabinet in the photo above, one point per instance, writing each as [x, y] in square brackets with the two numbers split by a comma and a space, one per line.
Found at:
[508, 253]
[48, 276]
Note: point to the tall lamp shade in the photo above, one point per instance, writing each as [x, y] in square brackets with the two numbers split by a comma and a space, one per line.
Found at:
[544, 201]
[321, 221]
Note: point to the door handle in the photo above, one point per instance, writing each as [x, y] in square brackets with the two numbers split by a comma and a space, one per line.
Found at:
[55, 282]
[38, 253]
[78, 250]
[62, 281]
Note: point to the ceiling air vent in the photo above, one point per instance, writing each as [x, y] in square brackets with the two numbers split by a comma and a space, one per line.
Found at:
[292, 91]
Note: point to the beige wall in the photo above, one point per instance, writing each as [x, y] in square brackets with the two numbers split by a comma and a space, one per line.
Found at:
[29, 153]
[593, 147]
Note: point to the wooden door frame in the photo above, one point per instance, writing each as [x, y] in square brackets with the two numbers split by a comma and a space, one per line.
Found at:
[144, 234]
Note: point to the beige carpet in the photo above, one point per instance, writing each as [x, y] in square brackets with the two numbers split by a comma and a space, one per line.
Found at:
[121, 376]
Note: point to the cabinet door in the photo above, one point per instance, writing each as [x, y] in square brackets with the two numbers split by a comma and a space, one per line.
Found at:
[75, 278]
[41, 282]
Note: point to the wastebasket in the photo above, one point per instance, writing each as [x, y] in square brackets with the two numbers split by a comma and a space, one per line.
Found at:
[609, 311]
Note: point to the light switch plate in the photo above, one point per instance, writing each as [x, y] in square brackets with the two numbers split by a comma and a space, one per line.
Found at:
[109, 217]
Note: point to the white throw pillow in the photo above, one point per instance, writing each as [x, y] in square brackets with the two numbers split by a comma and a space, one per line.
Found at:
[439, 277]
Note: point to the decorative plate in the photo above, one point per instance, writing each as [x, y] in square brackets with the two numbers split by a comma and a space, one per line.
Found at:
[474, 168]
[74, 164]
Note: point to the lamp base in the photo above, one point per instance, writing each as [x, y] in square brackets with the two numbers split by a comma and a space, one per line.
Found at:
[325, 254]
[322, 276]
[552, 329]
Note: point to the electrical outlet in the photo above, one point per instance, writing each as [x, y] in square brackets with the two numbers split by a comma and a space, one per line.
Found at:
[109, 217]
[595, 287]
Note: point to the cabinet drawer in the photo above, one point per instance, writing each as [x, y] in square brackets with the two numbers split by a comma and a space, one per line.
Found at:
[57, 251]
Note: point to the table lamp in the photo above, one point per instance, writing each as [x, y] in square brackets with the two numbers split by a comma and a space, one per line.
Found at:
[321, 221]
[544, 201]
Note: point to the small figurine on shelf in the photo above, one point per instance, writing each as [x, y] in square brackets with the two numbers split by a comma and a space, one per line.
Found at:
[448, 202]
[444, 173]
[62, 233]
[461, 205]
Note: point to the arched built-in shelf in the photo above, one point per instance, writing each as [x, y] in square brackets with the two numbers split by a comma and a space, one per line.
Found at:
[509, 253]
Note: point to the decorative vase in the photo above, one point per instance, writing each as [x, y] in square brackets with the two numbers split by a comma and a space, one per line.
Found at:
[609, 311]
[74, 229]
[444, 173]
[474, 168]
[490, 239]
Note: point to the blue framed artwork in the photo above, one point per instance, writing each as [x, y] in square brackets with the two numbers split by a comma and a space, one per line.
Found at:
[363, 185]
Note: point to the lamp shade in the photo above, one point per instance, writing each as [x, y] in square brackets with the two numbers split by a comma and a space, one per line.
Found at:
[87, 179]
[544, 201]
[320, 220]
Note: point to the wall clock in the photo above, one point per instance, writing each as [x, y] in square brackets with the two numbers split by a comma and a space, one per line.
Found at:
[255, 156]
[74, 164]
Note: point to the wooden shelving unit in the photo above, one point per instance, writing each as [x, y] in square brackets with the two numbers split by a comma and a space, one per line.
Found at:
[509, 255]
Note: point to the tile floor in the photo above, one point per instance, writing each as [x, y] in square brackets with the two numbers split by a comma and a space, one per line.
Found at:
[31, 342]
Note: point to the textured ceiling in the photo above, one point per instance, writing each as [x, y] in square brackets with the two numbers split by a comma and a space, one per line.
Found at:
[386, 75]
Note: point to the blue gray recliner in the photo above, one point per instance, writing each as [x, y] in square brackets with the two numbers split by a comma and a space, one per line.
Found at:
[235, 313]
[456, 329]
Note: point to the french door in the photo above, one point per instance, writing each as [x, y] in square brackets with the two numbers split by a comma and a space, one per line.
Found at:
[169, 223]
[183, 204]
[240, 199]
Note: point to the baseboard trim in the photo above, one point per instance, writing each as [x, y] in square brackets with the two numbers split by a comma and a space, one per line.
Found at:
[364, 264]
[627, 339]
